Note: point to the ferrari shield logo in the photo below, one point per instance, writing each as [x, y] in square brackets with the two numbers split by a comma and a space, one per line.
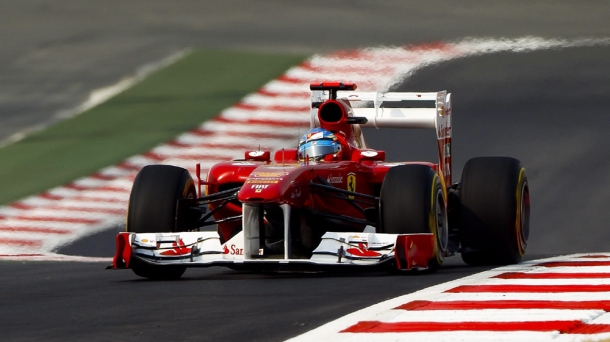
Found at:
[351, 183]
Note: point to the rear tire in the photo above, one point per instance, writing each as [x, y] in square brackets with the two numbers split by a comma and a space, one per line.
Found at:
[495, 207]
[152, 209]
[412, 200]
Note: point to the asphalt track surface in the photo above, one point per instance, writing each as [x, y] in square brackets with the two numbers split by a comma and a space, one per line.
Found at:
[547, 108]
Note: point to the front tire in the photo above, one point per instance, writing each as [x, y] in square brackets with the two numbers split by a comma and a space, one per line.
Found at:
[495, 208]
[153, 198]
[152, 209]
[412, 200]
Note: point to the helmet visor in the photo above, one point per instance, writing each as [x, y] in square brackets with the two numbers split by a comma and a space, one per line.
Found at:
[318, 149]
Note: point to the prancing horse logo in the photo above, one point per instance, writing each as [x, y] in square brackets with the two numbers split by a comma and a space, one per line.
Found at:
[351, 183]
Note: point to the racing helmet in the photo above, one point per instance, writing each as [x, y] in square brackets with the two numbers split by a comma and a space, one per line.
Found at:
[316, 144]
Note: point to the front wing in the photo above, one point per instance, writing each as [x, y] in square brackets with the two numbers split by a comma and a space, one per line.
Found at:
[204, 249]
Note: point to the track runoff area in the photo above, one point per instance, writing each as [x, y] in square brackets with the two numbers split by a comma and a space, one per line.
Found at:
[563, 298]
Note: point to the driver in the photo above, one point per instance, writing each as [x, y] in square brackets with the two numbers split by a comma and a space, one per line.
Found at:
[316, 144]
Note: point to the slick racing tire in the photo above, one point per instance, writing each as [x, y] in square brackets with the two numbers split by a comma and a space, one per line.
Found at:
[412, 200]
[153, 198]
[494, 211]
[152, 209]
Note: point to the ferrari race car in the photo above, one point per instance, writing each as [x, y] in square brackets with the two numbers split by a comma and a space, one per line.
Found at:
[332, 202]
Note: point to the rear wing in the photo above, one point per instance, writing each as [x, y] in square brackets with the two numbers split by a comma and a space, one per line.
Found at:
[383, 110]
[379, 116]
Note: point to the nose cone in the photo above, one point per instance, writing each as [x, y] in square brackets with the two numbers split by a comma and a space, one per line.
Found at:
[259, 192]
[264, 186]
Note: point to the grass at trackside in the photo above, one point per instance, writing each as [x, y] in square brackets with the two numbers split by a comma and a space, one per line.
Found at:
[165, 104]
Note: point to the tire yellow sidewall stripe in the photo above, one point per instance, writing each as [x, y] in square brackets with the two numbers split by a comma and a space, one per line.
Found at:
[518, 225]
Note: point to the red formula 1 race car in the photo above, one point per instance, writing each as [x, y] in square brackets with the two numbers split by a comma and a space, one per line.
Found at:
[332, 202]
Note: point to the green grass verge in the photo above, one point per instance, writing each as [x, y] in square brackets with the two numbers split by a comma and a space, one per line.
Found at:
[165, 104]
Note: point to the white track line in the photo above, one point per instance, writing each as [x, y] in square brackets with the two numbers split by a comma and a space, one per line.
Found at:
[418, 323]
